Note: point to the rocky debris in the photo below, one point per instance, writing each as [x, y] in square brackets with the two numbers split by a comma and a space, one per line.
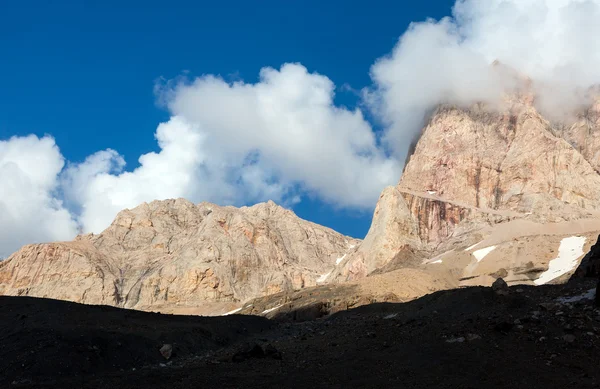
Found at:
[254, 350]
[500, 287]
[166, 351]
[58, 339]
[569, 338]
[446, 339]
[321, 301]
[175, 256]
[455, 340]
[461, 339]
[472, 337]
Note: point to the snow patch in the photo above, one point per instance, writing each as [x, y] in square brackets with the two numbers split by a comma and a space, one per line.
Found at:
[589, 295]
[390, 316]
[437, 259]
[323, 277]
[569, 251]
[340, 259]
[232, 312]
[472, 247]
[482, 253]
[271, 309]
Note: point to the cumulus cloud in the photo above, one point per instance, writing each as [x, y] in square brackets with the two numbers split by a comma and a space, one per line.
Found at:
[101, 188]
[29, 209]
[239, 143]
[552, 42]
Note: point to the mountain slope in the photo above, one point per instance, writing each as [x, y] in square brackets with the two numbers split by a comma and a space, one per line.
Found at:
[175, 256]
[474, 170]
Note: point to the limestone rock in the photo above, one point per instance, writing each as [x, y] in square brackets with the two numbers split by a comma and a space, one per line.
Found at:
[474, 170]
[501, 161]
[392, 230]
[174, 256]
[166, 351]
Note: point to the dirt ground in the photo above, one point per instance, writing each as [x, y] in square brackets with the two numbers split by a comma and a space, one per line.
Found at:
[464, 338]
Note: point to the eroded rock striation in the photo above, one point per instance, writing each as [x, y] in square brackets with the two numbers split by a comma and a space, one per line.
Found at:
[176, 256]
[474, 169]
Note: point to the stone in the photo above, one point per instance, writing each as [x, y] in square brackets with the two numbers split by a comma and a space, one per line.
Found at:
[472, 337]
[569, 338]
[456, 340]
[500, 287]
[166, 351]
[271, 352]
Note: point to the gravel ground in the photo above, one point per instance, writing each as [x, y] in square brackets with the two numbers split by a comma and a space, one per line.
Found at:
[532, 337]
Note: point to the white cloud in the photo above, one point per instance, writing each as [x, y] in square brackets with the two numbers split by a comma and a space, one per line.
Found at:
[102, 189]
[241, 143]
[29, 209]
[553, 42]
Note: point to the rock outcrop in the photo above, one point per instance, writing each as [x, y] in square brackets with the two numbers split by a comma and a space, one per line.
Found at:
[590, 264]
[176, 256]
[475, 169]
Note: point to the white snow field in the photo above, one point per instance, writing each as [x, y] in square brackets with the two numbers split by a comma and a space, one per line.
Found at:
[569, 251]
[482, 253]
[323, 277]
[271, 309]
[232, 312]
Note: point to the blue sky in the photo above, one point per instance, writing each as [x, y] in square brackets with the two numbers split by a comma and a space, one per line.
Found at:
[84, 72]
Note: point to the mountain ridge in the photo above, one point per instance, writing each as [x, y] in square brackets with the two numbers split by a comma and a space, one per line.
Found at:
[173, 252]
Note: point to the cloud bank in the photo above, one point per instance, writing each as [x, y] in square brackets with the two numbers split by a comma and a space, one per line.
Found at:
[283, 138]
[552, 42]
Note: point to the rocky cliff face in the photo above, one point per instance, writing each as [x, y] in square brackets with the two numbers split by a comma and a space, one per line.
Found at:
[475, 169]
[176, 256]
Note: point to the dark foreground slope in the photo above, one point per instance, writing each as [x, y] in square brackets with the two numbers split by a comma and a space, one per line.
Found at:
[466, 338]
[46, 341]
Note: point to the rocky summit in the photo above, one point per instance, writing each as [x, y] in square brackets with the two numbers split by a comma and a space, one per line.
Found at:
[487, 193]
[175, 256]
